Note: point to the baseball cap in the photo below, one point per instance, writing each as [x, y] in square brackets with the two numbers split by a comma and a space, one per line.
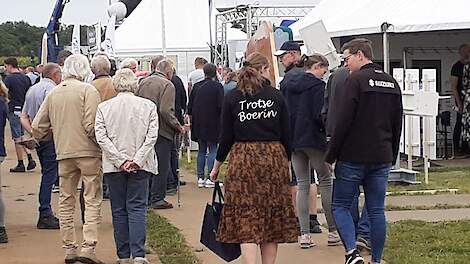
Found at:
[287, 46]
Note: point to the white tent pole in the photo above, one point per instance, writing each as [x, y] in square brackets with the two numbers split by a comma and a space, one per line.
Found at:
[163, 28]
[386, 47]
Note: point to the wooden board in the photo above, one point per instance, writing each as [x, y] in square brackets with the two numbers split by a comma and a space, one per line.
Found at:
[263, 42]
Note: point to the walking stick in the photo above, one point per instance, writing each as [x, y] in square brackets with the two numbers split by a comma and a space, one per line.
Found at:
[178, 150]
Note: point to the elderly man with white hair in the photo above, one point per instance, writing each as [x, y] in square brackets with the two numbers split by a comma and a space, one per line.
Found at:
[68, 115]
[128, 162]
[130, 63]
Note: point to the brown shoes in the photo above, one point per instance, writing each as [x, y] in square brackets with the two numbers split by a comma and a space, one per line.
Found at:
[161, 205]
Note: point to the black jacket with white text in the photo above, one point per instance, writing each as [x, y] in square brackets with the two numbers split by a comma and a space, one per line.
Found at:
[369, 119]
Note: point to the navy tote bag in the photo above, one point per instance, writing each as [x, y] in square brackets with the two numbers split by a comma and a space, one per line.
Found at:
[210, 225]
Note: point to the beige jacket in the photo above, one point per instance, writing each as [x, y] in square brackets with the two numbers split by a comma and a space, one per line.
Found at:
[68, 115]
[126, 128]
[162, 92]
[105, 87]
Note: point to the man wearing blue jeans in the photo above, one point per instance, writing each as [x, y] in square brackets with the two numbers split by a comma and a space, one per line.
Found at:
[364, 144]
[51, 76]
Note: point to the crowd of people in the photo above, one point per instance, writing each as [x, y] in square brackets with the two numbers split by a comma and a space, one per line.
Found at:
[301, 135]
[119, 132]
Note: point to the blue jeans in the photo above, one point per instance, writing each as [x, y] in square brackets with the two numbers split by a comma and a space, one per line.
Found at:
[361, 222]
[128, 196]
[201, 157]
[373, 178]
[49, 170]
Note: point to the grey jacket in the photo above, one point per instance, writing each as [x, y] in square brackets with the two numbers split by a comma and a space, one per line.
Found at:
[161, 91]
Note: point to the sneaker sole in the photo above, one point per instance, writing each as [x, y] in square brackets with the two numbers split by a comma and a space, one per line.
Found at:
[334, 244]
[357, 261]
[307, 246]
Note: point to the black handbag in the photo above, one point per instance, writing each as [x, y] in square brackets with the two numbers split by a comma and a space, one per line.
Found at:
[210, 225]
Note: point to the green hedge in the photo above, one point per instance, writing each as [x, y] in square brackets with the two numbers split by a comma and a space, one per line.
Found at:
[23, 62]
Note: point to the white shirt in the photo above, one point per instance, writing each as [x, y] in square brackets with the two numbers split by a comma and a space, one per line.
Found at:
[126, 128]
[196, 76]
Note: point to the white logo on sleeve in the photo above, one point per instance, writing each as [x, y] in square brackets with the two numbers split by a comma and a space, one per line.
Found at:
[371, 83]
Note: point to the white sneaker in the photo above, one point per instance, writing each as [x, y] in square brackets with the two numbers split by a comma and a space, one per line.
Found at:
[140, 260]
[334, 239]
[200, 183]
[305, 241]
[209, 184]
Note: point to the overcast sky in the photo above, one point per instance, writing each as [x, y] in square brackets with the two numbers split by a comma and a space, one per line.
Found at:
[88, 12]
[38, 12]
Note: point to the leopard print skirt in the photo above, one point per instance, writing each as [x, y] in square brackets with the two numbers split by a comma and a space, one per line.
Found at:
[258, 207]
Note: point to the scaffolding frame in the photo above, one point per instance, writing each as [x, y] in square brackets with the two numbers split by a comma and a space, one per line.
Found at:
[249, 17]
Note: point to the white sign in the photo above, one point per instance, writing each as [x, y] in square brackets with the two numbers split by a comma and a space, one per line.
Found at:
[317, 40]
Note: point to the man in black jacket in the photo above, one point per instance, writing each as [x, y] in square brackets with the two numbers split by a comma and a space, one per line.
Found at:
[204, 109]
[364, 145]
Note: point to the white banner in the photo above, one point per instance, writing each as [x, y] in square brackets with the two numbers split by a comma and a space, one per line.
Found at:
[109, 42]
[76, 40]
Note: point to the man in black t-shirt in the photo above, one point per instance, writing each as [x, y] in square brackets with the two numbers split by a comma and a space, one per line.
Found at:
[17, 84]
[456, 84]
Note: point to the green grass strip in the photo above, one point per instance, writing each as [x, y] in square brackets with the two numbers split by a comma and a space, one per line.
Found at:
[418, 242]
[168, 242]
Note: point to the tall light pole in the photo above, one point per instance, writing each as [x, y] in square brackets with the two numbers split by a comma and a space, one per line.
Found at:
[163, 28]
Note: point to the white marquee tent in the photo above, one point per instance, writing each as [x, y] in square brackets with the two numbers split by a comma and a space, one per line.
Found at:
[231, 3]
[341, 18]
[423, 34]
[187, 32]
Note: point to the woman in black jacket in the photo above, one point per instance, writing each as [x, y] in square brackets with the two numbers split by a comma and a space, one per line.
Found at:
[305, 101]
[255, 131]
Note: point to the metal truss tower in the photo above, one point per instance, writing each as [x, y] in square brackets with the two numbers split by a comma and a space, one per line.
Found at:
[247, 18]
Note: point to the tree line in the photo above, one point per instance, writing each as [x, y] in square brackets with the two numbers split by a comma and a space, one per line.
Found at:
[20, 39]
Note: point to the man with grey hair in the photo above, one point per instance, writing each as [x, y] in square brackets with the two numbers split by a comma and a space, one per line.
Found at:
[130, 63]
[101, 66]
[51, 76]
[69, 112]
[155, 62]
[128, 162]
[159, 89]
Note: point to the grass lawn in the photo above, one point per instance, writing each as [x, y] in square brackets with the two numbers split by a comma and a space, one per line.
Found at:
[417, 242]
[168, 242]
[191, 167]
[440, 178]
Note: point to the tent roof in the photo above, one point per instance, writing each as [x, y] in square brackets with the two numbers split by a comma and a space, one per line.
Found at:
[187, 27]
[232, 3]
[342, 18]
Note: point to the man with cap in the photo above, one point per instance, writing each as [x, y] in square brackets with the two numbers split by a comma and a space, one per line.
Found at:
[289, 54]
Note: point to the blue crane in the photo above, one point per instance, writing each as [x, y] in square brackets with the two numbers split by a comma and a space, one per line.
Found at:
[53, 27]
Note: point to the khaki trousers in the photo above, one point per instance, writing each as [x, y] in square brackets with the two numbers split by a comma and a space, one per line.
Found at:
[71, 171]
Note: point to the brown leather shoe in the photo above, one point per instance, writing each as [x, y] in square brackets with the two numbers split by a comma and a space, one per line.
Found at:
[161, 205]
